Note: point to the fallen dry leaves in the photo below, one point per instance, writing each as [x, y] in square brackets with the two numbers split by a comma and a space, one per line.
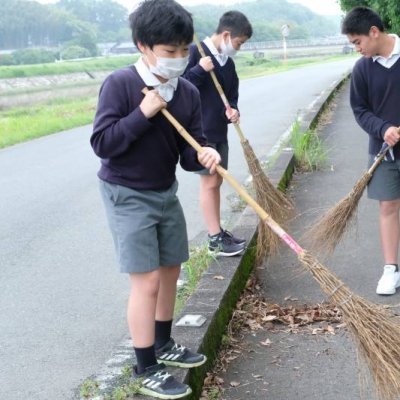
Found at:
[254, 313]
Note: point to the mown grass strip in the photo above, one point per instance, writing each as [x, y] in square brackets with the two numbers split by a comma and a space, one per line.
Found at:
[25, 123]
[22, 124]
[66, 67]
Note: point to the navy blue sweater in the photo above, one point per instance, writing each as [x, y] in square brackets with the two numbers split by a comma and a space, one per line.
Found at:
[215, 123]
[137, 152]
[375, 100]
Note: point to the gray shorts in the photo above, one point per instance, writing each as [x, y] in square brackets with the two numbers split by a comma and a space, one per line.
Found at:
[223, 150]
[385, 182]
[148, 227]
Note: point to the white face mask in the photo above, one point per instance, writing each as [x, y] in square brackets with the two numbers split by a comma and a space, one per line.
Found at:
[228, 49]
[169, 68]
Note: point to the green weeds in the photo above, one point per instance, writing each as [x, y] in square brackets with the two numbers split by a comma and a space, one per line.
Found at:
[308, 148]
[89, 389]
[193, 269]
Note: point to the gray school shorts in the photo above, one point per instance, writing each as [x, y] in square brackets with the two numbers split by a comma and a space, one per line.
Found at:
[223, 150]
[385, 182]
[148, 227]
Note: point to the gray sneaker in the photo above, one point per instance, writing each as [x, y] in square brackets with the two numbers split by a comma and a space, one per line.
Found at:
[224, 245]
[156, 382]
[234, 238]
[177, 355]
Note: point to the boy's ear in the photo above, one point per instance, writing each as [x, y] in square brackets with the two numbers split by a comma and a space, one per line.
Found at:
[225, 34]
[374, 32]
[141, 47]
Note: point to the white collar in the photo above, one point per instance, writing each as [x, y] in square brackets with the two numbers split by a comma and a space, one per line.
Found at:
[395, 51]
[210, 44]
[221, 58]
[166, 89]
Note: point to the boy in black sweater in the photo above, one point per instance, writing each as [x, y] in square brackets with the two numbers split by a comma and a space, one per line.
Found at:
[139, 151]
[233, 30]
[375, 99]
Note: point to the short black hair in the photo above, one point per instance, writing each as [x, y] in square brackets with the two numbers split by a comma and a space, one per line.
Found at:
[236, 23]
[359, 21]
[161, 22]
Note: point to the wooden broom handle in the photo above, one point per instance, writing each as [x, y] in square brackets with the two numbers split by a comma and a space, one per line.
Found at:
[264, 216]
[219, 88]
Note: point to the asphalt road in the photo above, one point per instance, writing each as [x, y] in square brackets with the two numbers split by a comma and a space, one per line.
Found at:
[62, 301]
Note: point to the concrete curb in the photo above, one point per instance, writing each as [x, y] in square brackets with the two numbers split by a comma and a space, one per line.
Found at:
[215, 299]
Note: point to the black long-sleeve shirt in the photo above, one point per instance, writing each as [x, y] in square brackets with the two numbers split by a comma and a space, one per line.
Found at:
[137, 152]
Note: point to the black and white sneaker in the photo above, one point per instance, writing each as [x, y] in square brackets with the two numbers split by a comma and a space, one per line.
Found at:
[157, 382]
[223, 245]
[177, 355]
[234, 238]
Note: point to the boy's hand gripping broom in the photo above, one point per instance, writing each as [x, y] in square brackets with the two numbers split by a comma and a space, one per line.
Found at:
[271, 199]
[374, 329]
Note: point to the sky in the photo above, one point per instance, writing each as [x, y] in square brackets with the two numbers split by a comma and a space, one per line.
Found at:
[324, 7]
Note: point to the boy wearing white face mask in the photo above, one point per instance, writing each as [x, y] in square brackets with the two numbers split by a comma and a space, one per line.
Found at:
[139, 150]
[233, 30]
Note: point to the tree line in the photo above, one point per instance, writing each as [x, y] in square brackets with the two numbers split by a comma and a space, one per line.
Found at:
[75, 27]
[83, 23]
[87, 22]
[389, 10]
[73, 22]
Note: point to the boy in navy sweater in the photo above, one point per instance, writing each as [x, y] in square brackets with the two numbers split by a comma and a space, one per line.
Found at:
[139, 151]
[233, 30]
[375, 99]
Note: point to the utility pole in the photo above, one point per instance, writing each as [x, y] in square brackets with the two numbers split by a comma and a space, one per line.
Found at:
[285, 30]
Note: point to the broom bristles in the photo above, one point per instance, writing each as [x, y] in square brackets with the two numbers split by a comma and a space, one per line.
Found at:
[272, 200]
[376, 331]
[329, 230]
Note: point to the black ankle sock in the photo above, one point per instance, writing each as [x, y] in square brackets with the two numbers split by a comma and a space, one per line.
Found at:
[146, 357]
[163, 333]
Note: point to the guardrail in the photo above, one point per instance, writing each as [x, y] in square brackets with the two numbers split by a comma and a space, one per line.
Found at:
[274, 44]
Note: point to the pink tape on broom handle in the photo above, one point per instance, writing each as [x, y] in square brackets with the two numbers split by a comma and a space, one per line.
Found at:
[264, 216]
[219, 89]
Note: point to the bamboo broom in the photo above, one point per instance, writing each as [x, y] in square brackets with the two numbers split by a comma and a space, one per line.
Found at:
[271, 199]
[374, 329]
[330, 228]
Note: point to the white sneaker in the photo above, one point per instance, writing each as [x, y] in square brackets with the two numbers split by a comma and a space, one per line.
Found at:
[390, 280]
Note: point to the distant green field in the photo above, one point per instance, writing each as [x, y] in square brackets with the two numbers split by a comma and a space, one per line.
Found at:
[67, 67]
[25, 123]
[246, 65]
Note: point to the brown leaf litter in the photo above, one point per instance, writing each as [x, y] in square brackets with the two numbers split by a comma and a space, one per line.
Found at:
[254, 313]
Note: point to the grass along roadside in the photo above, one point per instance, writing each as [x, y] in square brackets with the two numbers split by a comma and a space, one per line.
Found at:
[309, 150]
[66, 67]
[248, 67]
[22, 124]
[192, 271]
